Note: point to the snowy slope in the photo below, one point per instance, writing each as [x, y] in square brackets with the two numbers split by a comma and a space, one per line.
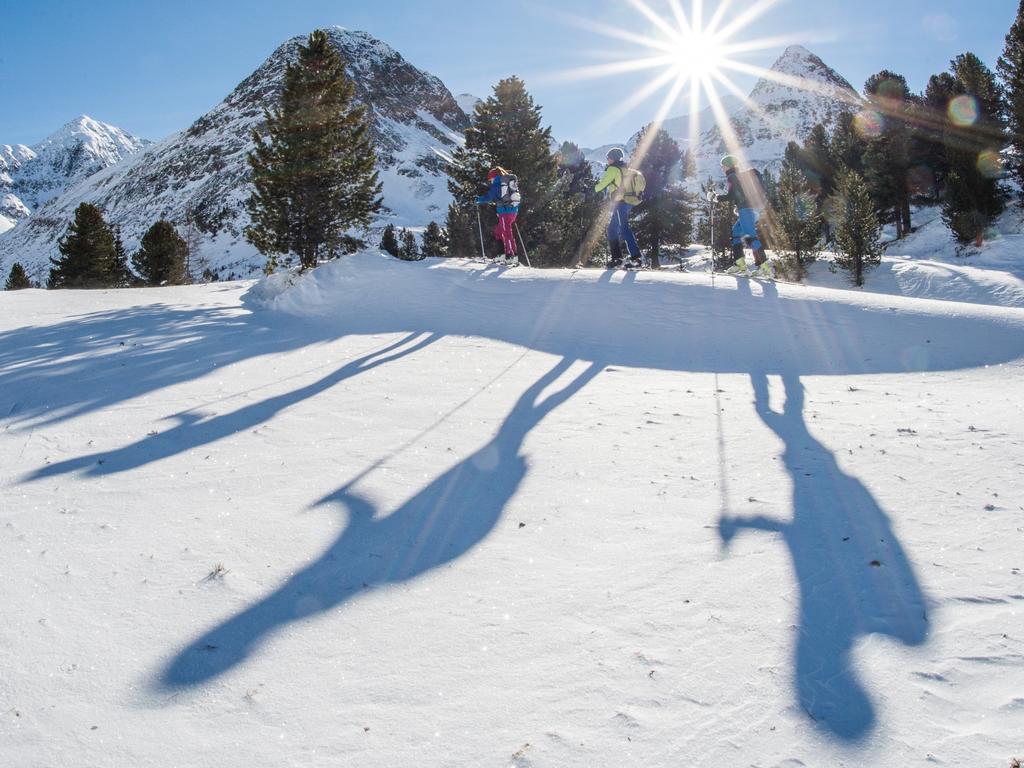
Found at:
[438, 514]
[201, 174]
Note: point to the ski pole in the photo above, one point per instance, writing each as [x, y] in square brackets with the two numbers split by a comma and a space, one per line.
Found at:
[527, 255]
[712, 204]
[480, 226]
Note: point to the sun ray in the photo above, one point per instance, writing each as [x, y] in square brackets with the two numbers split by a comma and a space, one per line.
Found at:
[604, 70]
[747, 17]
[716, 19]
[657, 20]
[623, 108]
[681, 17]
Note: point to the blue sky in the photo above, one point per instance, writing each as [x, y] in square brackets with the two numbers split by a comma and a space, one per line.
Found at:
[154, 67]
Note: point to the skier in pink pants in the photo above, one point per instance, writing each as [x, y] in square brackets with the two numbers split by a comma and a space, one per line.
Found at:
[504, 193]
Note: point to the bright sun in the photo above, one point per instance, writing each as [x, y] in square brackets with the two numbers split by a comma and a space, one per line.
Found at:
[697, 55]
[690, 51]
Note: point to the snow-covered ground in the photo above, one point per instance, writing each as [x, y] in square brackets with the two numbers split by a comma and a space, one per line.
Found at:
[441, 514]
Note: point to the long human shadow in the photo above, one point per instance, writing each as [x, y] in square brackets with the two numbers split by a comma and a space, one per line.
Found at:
[854, 577]
[98, 360]
[442, 522]
[193, 430]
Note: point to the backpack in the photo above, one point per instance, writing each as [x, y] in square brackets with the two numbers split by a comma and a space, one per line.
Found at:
[633, 183]
[510, 190]
[754, 184]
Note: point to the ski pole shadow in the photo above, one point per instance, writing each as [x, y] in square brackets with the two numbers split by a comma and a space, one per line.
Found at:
[193, 430]
[442, 522]
[854, 577]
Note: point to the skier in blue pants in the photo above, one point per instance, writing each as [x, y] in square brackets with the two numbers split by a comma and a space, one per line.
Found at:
[625, 188]
[748, 197]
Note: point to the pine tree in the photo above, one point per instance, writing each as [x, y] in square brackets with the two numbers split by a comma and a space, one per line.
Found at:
[575, 206]
[856, 229]
[17, 279]
[409, 250]
[796, 221]
[88, 256]
[665, 216]
[974, 139]
[1011, 69]
[435, 241]
[506, 132]
[847, 145]
[389, 241]
[123, 276]
[161, 259]
[887, 159]
[315, 178]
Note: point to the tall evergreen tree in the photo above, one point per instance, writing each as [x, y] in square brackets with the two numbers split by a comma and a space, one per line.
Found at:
[161, 259]
[17, 279]
[665, 215]
[506, 132]
[887, 159]
[575, 206]
[409, 251]
[796, 222]
[123, 276]
[856, 229]
[847, 145]
[974, 140]
[435, 241]
[1011, 69]
[389, 241]
[314, 178]
[88, 258]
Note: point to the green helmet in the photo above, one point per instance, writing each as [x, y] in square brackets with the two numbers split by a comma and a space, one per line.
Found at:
[730, 161]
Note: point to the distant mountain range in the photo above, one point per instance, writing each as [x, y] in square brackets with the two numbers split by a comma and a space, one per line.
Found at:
[199, 178]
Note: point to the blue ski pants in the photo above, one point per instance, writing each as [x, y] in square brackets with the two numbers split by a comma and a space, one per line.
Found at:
[746, 226]
[618, 230]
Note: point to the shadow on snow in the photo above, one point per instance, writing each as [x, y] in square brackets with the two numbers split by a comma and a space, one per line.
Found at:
[442, 522]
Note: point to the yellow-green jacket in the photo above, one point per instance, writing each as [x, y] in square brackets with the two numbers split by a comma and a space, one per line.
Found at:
[612, 181]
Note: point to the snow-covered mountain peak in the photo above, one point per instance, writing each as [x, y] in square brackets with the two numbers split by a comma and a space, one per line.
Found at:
[90, 140]
[799, 70]
[199, 178]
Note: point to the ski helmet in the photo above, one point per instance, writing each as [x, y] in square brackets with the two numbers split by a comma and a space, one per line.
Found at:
[615, 155]
[730, 161]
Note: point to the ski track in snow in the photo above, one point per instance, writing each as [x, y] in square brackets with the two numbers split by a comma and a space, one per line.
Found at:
[439, 514]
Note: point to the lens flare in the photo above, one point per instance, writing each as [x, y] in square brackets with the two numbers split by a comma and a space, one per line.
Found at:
[990, 164]
[869, 123]
[963, 111]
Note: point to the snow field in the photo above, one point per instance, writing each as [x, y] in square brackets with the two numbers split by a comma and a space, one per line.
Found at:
[468, 516]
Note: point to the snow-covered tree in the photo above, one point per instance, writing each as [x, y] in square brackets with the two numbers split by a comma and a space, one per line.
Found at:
[315, 177]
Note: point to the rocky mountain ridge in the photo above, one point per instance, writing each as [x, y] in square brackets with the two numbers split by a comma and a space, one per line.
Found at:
[199, 178]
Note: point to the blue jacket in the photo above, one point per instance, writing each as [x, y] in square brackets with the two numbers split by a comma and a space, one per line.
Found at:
[494, 195]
